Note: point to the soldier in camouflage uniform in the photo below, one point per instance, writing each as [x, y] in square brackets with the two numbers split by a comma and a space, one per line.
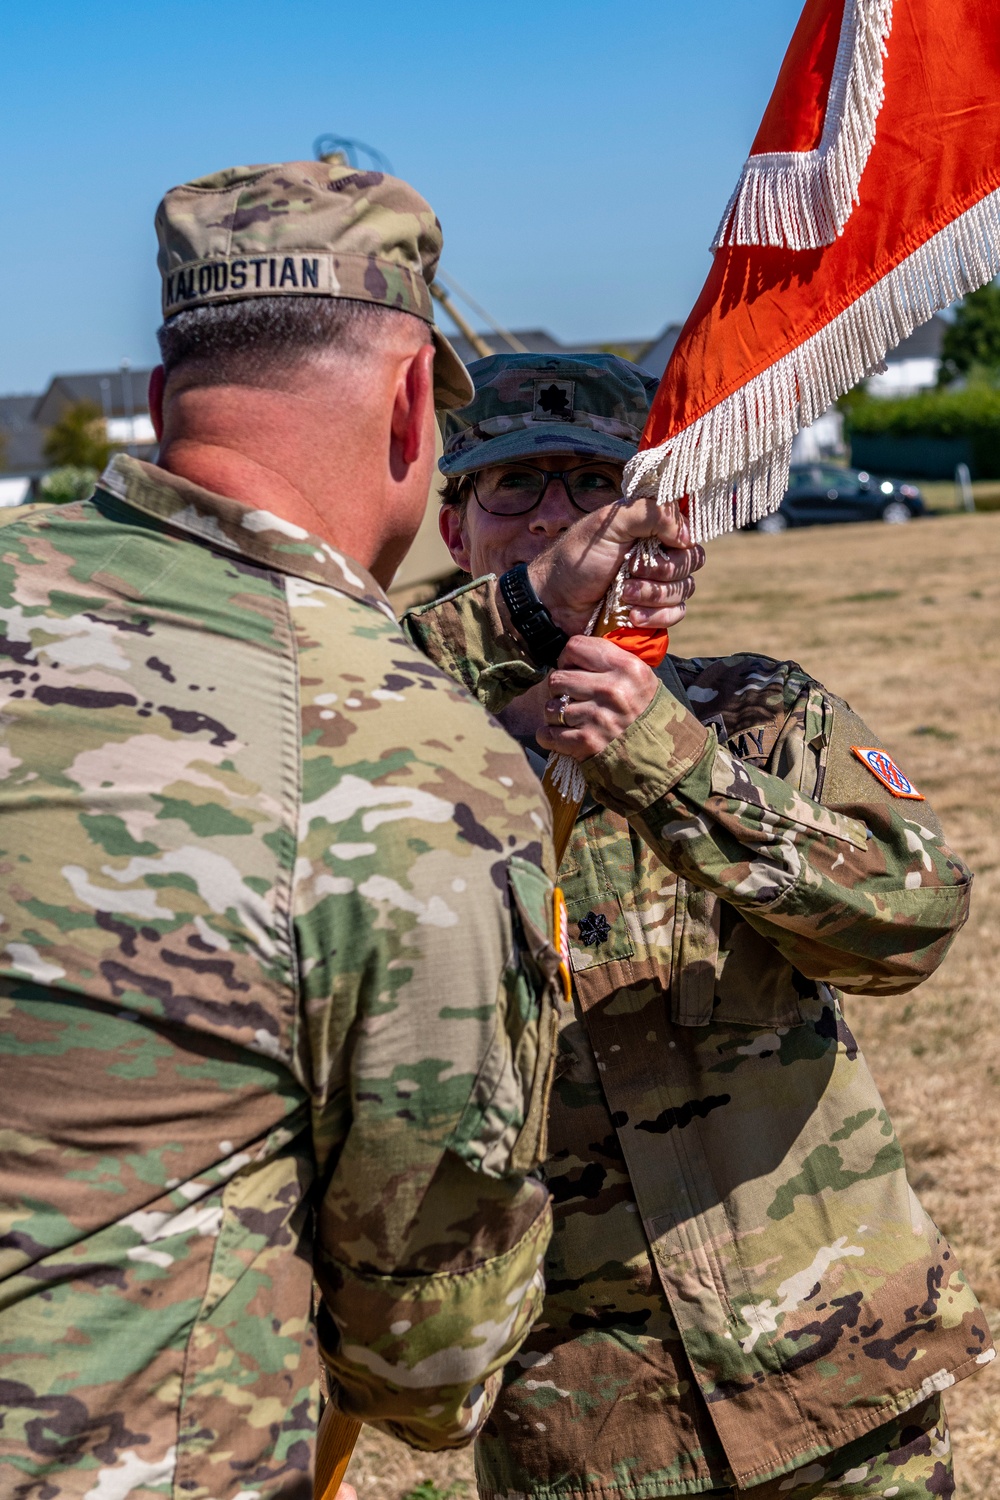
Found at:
[276, 977]
[743, 1293]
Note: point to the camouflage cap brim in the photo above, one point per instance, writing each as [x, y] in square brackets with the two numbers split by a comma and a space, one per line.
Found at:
[452, 382]
[531, 442]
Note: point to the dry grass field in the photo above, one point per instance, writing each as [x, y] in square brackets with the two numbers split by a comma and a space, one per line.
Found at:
[904, 622]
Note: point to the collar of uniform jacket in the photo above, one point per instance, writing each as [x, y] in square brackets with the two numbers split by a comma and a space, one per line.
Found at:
[218, 521]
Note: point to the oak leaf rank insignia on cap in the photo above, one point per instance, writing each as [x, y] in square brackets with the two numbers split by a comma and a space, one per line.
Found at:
[884, 769]
[554, 400]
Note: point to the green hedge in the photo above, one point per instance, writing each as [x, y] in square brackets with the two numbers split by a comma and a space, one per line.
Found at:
[971, 416]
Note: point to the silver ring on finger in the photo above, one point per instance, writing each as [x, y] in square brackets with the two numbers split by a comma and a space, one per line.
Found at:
[564, 702]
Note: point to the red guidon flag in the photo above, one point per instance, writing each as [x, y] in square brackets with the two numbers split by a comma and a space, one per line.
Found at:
[870, 199]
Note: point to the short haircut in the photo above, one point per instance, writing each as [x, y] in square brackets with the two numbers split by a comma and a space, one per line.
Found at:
[244, 342]
[456, 489]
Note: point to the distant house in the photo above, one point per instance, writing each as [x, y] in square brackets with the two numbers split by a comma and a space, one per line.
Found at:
[650, 354]
[119, 395]
[823, 438]
[21, 459]
[535, 340]
[914, 364]
[655, 356]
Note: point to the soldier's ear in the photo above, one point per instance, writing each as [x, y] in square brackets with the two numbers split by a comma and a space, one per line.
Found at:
[450, 523]
[413, 406]
[157, 382]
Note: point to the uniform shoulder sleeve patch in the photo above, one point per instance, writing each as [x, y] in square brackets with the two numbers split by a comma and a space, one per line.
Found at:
[884, 769]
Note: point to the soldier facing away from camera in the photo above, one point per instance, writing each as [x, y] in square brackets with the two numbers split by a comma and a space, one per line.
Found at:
[276, 978]
[743, 1293]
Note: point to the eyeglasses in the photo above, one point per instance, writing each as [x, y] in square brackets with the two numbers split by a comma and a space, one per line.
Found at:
[516, 489]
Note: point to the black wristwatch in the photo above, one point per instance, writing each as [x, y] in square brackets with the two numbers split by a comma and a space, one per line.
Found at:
[531, 619]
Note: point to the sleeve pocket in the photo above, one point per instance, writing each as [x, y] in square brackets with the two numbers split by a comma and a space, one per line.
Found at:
[504, 1126]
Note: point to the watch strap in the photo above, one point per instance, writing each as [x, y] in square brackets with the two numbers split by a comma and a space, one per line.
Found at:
[532, 621]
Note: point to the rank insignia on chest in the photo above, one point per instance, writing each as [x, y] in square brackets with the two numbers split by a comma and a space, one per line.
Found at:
[594, 928]
[560, 933]
[885, 769]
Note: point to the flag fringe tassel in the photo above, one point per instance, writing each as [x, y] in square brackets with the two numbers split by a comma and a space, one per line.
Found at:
[733, 462]
[801, 200]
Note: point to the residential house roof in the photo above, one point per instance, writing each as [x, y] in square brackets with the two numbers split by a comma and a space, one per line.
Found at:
[535, 340]
[21, 437]
[540, 341]
[115, 393]
[653, 358]
[923, 343]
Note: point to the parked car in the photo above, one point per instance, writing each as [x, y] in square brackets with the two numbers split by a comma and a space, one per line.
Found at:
[822, 494]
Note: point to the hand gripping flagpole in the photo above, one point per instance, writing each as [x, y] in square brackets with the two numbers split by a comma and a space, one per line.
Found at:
[563, 781]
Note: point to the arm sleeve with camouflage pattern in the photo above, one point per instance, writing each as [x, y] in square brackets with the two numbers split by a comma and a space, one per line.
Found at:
[858, 890]
[423, 929]
[854, 887]
[468, 633]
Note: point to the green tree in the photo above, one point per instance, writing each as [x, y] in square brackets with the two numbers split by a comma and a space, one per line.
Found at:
[63, 486]
[79, 438]
[971, 345]
[972, 415]
[3, 451]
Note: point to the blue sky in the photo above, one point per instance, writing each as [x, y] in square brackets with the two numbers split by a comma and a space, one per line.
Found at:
[578, 152]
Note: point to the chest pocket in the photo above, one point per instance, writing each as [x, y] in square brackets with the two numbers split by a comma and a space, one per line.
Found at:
[603, 885]
[632, 922]
[600, 931]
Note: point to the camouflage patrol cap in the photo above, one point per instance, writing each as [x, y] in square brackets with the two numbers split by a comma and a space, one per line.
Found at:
[531, 404]
[306, 228]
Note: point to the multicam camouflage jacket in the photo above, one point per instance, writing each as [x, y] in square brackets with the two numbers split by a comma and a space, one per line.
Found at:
[740, 1278]
[276, 987]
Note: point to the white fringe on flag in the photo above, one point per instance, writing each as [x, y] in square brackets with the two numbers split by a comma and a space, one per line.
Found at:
[802, 199]
[733, 462]
[562, 771]
[565, 777]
